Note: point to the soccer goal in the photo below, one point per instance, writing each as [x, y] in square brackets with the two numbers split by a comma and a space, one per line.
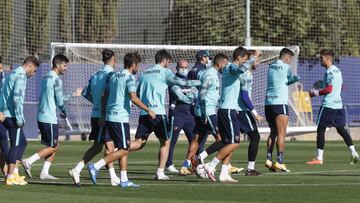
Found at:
[85, 59]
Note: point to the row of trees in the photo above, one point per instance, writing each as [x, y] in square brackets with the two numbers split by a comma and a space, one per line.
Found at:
[312, 24]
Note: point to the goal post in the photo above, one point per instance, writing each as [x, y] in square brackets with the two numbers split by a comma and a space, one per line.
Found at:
[85, 59]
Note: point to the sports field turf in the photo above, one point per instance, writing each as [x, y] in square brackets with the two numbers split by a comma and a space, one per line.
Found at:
[335, 181]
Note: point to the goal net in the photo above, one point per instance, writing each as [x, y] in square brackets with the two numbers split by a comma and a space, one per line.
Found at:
[85, 59]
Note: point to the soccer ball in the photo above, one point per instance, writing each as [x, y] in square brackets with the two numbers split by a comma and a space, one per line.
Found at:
[200, 172]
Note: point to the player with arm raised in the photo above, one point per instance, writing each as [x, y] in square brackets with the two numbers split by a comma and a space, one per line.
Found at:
[152, 92]
[332, 113]
[51, 98]
[181, 116]
[276, 107]
[120, 91]
[93, 92]
[13, 96]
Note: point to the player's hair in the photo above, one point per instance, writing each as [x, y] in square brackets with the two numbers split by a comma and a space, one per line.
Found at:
[33, 60]
[162, 55]
[219, 57]
[240, 51]
[327, 52]
[286, 51]
[131, 58]
[59, 59]
[250, 52]
[1, 61]
[107, 54]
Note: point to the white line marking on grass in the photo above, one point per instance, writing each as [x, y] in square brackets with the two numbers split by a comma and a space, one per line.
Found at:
[208, 184]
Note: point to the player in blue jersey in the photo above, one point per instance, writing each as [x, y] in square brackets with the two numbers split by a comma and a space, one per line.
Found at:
[332, 113]
[181, 116]
[118, 94]
[93, 92]
[276, 106]
[229, 121]
[152, 91]
[51, 98]
[12, 104]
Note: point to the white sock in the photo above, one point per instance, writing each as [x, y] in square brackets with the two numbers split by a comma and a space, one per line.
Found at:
[251, 165]
[203, 155]
[112, 173]
[224, 170]
[160, 171]
[353, 151]
[16, 170]
[33, 158]
[78, 168]
[101, 163]
[214, 163]
[46, 167]
[320, 154]
[189, 162]
[123, 177]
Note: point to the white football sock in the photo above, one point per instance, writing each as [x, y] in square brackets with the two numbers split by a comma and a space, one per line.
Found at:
[320, 154]
[123, 177]
[78, 168]
[112, 173]
[353, 151]
[33, 158]
[251, 165]
[203, 155]
[214, 163]
[46, 167]
[101, 163]
[224, 170]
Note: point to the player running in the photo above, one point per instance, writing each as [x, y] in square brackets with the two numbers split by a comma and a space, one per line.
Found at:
[152, 90]
[93, 92]
[120, 91]
[331, 113]
[276, 107]
[51, 97]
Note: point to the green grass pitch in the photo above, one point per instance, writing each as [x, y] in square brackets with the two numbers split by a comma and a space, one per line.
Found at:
[335, 181]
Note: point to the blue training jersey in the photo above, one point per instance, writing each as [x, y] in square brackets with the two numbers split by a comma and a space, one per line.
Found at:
[209, 92]
[94, 90]
[230, 83]
[279, 78]
[153, 86]
[51, 96]
[13, 95]
[333, 77]
[246, 81]
[118, 104]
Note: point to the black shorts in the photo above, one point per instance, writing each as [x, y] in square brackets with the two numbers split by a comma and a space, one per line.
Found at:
[119, 134]
[247, 122]
[331, 117]
[158, 125]
[210, 126]
[229, 126]
[98, 134]
[49, 134]
[272, 111]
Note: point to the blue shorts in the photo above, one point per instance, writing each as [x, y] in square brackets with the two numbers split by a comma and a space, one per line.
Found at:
[119, 133]
[49, 134]
[209, 127]
[229, 126]
[182, 121]
[272, 111]
[146, 126]
[247, 122]
[331, 117]
[98, 134]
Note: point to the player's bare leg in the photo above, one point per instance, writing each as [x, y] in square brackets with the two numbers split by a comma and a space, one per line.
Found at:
[163, 156]
[281, 125]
